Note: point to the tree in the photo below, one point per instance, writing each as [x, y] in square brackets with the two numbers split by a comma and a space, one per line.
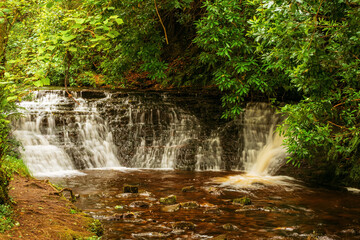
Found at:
[317, 45]
[231, 56]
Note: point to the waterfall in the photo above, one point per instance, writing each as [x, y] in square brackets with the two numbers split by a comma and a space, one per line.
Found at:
[263, 152]
[117, 129]
[54, 130]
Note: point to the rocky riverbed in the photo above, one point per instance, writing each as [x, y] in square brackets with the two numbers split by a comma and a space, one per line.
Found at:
[195, 205]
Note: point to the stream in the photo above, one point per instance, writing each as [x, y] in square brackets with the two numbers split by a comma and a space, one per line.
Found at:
[159, 144]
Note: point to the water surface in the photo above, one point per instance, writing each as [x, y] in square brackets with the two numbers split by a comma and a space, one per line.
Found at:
[280, 209]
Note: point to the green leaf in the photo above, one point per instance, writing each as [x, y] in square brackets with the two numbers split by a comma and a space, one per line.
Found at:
[68, 38]
[45, 81]
[38, 83]
[119, 21]
[50, 4]
[113, 34]
[12, 98]
[51, 47]
[72, 49]
[80, 20]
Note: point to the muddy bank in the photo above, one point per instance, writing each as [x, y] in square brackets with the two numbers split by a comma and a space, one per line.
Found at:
[42, 214]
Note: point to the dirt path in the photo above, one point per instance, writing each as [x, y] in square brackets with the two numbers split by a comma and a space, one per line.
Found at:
[44, 215]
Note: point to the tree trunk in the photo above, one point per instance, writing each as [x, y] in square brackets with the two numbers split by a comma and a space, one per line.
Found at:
[3, 43]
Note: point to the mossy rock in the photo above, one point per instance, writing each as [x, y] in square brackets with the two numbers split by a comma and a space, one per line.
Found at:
[242, 201]
[96, 227]
[171, 208]
[130, 188]
[230, 227]
[183, 225]
[169, 200]
[188, 189]
[190, 205]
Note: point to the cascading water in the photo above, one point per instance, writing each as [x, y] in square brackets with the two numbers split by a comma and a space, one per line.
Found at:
[144, 130]
[47, 130]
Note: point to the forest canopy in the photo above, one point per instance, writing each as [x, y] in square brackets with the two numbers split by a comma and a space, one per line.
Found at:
[305, 53]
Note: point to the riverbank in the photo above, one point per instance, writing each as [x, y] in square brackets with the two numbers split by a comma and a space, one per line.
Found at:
[40, 213]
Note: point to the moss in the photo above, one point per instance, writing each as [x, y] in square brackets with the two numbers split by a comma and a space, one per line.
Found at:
[169, 200]
[4, 183]
[242, 201]
[96, 227]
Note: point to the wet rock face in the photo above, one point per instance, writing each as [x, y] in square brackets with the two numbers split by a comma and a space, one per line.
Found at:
[175, 130]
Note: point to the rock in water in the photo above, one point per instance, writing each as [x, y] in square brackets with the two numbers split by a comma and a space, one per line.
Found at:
[183, 225]
[242, 201]
[171, 208]
[190, 205]
[230, 227]
[168, 200]
[130, 188]
[188, 189]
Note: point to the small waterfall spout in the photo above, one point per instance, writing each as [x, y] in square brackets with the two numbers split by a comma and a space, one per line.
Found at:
[263, 153]
[271, 156]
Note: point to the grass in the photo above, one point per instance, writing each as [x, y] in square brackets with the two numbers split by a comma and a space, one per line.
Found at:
[16, 165]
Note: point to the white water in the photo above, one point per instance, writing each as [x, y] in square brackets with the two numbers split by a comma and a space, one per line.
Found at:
[261, 158]
[42, 152]
[60, 136]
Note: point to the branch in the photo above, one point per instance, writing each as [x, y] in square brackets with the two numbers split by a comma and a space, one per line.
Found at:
[67, 67]
[354, 100]
[316, 16]
[162, 24]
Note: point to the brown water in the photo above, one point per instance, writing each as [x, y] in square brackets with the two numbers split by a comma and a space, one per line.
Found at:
[281, 210]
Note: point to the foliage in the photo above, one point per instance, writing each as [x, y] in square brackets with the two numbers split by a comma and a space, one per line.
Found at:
[6, 222]
[231, 55]
[96, 227]
[8, 96]
[316, 44]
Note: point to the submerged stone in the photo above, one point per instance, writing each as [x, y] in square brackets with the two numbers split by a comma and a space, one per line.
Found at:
[183, 225]
[151, 235]
[242, 201]
[220, 237]
[247, 208]
[171, 208]
[130, 188]
[190, 205]
[168, 200]
[213, 211]
[140, 204]
[188, 189]
[230, 227]
[214, 191]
